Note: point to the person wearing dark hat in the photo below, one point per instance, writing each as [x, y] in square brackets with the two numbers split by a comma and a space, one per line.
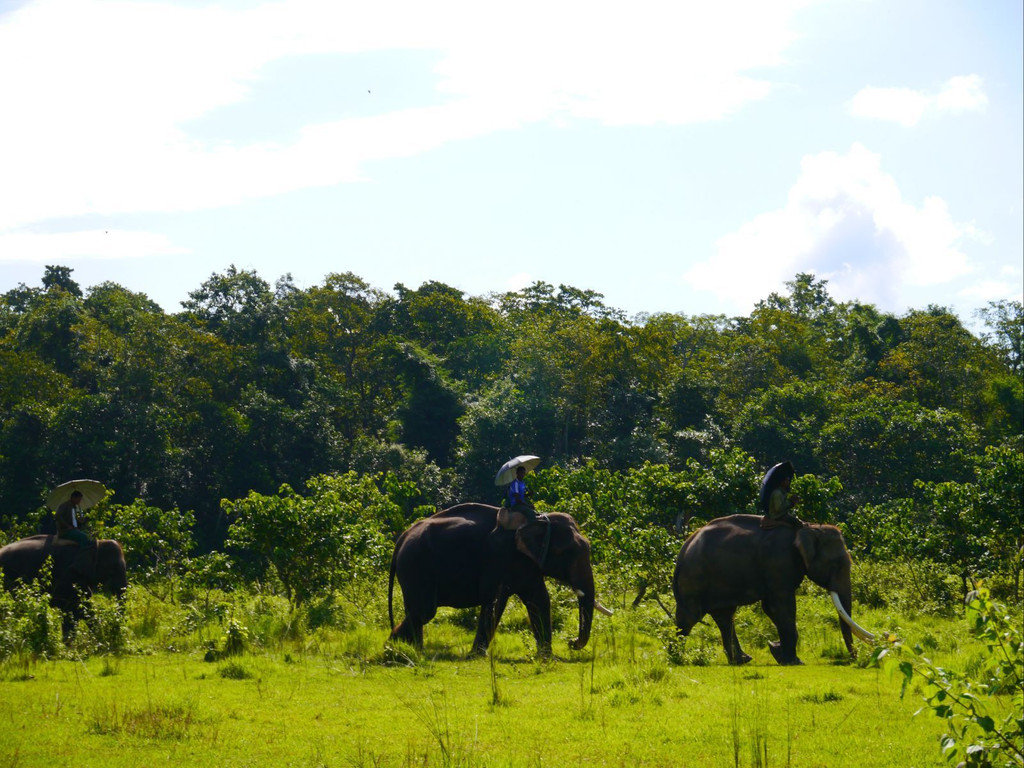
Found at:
[776, 500]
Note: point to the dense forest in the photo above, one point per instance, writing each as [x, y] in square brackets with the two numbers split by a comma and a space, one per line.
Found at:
[906, 429]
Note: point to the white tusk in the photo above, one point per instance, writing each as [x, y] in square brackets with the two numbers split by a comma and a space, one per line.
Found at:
[597, 604]
[858, 630]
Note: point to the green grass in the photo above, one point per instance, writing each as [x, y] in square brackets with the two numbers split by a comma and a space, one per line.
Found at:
[337, 697]
[324, 711]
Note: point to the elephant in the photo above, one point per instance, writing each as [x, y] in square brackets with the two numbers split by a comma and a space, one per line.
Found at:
[458, 557]
[22, 560]
[732, 561]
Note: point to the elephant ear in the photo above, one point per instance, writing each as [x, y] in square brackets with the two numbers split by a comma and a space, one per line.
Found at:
[807, 544]
[530, 540]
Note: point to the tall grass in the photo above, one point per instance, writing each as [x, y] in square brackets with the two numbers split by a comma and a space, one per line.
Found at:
[339, 694]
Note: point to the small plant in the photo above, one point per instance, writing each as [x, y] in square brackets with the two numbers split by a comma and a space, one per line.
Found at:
[829, 697]
[234, 670]
[236, 639]
[161, 721]
[29, 627]
[108, 630]
[496, 697]
[982, 730]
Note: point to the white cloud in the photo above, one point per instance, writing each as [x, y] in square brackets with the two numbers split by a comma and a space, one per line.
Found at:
[962, 94]
[96, 244]
[898, 105]
[97, 118]
[845, 220]
[907, 106]
[1008, 286]
[519, 281]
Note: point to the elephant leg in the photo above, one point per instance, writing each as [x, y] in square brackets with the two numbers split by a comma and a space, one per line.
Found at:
[688, 612]
[420, 608]
[782, 612]
[487, 624]
[724, 619]
[499, 606]
[538, 608]
[409, 631]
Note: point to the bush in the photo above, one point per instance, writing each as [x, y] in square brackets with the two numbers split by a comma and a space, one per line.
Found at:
[341, 531]
[982, 730]
[156, 542]
[29, 628]
[906, 586]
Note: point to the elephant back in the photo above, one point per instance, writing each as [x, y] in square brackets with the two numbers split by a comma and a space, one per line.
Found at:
[468, 510]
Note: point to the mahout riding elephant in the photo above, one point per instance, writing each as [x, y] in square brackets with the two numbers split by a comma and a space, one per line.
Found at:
[732, 561]
[72, 572]
[459, 558]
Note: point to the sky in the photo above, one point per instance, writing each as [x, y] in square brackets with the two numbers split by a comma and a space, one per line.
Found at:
[676, 156]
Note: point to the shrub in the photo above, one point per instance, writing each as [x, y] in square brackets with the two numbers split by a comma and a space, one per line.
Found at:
[156, 542]
[29, 627]
[982, 730]
[316, 543]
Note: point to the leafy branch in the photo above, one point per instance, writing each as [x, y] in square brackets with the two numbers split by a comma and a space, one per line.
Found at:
[982, 730]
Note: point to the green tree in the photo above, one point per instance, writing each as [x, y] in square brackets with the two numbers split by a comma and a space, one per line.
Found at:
[157, 543]
[236, 305]
[465, 335]
[433, 406]
[785, 422]
[878, 445]
[57, 278]
[341, 530]
[342, 326]
[1005, 323]
[940, 361]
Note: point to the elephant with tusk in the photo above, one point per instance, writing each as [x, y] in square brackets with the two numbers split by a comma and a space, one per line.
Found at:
[460, 557]
[732, 561]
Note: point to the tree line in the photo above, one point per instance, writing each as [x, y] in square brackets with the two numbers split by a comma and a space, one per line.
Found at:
[254, 390]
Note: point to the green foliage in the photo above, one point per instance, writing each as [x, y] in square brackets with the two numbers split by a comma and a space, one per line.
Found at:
[254, 386]
[904, 584]
[818, 498]
[105, 630]
[969, 528]
[341, 531]
[156, 542]
[235, 640]
[29, 628]
[637, 519]
[982, 706]
[209, 572]
[1005, 321]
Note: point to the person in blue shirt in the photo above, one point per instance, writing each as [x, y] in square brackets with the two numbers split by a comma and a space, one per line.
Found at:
[516, 496]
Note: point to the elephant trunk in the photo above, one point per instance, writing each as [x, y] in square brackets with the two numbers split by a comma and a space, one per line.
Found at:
[582, 581]
[586, 619]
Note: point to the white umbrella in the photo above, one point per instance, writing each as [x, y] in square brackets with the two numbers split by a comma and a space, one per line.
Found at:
[92, 493]
[507, 473]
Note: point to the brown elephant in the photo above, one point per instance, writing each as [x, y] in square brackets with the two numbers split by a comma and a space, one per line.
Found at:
[74, 571]
[732, 561]
[459, 558]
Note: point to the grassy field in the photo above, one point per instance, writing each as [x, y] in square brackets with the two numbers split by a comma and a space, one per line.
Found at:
[338, 697]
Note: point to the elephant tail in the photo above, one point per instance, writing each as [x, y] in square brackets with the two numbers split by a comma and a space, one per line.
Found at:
[391, 589]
